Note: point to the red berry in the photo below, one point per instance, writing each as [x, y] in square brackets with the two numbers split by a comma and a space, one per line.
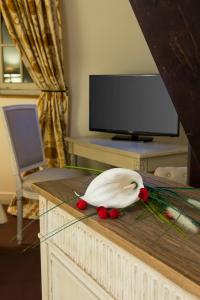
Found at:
[81, 204]
[98, 208]
[143, 194]
[103, 213]
[114, 213]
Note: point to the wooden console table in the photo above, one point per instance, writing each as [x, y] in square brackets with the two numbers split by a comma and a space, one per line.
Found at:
[117, 259]
[128, 154]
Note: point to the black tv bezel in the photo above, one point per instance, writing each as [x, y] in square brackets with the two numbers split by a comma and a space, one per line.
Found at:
[128, 132]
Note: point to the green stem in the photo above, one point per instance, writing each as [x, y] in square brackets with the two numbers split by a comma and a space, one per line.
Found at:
[84, 169]
[59, 229]
[160, 217]
[166, 231]
[142, 215]
[39, 216]
[177, 188]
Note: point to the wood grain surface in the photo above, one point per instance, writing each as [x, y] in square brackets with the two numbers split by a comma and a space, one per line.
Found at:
[150, 240]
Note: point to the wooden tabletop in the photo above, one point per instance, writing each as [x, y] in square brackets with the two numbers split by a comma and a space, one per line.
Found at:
[150, 240]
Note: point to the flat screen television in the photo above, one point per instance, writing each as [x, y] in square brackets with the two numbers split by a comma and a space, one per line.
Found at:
[131, 105]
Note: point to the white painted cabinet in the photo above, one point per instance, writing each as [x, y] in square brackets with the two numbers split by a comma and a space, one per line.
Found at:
[80, 264]
[66, 282]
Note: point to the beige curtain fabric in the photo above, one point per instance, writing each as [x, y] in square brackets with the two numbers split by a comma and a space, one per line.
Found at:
[30, 209]
[35, 27]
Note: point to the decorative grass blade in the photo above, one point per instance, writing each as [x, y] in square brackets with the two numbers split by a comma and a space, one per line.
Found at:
[165, 232]
[160, 217]
[41, 215]
[163, 203]
[177, 188]
[171, 192]
[160, 201]
[57, 230]
[195, 204]
[150, 210]
[54, 230]
[84, 169]
[142, 216]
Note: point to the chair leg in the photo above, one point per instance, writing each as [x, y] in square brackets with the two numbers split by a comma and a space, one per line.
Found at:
[19, 219]
[3, 217]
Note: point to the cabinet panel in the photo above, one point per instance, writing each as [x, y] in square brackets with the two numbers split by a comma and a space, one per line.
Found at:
[68, 282]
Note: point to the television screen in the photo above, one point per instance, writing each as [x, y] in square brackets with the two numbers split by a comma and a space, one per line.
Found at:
[131, 104]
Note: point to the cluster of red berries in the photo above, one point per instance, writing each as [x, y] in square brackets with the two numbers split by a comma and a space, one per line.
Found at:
[102, 212]
[112, 213]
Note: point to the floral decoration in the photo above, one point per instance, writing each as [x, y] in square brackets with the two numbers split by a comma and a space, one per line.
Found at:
[114, 191]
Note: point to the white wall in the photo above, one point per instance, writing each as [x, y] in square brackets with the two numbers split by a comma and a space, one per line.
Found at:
[99, 37]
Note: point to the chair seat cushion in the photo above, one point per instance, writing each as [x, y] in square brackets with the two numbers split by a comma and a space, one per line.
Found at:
[47, 175]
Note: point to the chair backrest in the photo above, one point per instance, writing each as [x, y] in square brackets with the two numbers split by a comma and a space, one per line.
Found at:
[25, 136]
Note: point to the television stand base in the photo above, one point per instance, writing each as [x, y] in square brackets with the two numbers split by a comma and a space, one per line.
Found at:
[135, 138]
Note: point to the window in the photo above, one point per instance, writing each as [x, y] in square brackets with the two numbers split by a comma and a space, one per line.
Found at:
[14, 77]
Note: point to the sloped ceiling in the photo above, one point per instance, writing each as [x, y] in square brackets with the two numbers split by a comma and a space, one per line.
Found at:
[172, 31]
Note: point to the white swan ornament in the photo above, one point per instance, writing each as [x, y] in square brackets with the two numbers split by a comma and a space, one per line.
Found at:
[114, 188]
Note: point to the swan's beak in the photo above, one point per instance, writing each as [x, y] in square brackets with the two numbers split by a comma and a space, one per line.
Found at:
[130, 186]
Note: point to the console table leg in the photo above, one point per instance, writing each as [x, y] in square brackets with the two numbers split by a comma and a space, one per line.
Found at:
[73, 160]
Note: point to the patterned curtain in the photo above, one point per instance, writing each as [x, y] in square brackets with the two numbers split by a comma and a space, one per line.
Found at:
[35, 27]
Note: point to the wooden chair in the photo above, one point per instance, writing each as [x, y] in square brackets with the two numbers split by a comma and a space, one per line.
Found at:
[21, 122]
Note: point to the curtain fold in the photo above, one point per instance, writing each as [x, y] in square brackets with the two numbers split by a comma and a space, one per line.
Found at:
[35, 27]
